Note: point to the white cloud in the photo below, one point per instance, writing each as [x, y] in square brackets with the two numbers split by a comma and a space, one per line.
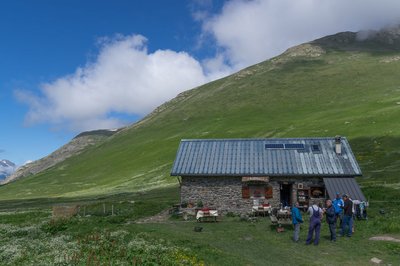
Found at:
[125, 78]
[27, 162]
[216, 67]
[252, 31]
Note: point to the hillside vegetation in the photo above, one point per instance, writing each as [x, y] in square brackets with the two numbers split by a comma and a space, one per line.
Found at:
[337, 85]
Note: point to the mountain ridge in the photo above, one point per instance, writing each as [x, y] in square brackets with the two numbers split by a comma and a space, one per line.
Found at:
[6, 168]
[72, 148]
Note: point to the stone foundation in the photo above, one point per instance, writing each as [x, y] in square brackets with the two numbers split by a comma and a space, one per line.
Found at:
[222, 193]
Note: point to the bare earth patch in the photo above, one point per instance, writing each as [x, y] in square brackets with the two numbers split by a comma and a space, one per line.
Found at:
[385, 238]
[382, 238]
[161, 217]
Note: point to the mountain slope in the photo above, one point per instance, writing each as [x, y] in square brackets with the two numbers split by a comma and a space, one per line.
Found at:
[6, 168]
[73, 148]
[339, 84]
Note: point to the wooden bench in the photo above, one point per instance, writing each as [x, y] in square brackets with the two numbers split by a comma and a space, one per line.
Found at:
[207, 215]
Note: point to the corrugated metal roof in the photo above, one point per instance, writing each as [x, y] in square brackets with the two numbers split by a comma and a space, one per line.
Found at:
[343, 186]
[250, 157]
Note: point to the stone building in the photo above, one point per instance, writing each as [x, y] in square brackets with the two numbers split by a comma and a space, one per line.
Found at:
[234, 174]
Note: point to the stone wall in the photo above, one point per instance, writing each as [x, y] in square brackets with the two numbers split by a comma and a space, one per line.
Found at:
[225, 193]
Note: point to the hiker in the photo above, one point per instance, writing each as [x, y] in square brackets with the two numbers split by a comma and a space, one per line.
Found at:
[315, 223]
[331, 219]
[347, 216]
[353, 213]
[338, 204]
[296, 220]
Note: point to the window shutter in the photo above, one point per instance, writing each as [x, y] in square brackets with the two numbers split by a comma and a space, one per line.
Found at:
[245, 192]
[268, 192]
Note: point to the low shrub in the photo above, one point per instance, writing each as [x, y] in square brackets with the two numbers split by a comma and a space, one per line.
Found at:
[230, 214]
[55, 225]
[391, 227]
[116, 219]
[109, 248]
[200, 204]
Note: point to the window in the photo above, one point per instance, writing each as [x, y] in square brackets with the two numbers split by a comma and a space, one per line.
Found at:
[268, 192]
[257, 191]
[315, 148]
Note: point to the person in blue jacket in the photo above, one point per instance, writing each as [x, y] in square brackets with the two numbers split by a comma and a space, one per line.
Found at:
[338, 204]
[296, 220]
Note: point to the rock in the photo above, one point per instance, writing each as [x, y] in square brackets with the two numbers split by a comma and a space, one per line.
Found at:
[376, 260]
[390, 59]
[385, 238]
[388, 37]
[198, 229]
[244, 217]
[304, 50]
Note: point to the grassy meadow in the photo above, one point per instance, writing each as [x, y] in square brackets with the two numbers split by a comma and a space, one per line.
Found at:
[31, 237]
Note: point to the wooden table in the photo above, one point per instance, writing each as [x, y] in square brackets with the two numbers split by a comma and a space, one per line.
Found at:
[282, 217]
[261, 210]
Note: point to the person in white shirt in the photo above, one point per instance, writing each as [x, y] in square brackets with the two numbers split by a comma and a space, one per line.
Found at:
[312, 208]
[315, 223]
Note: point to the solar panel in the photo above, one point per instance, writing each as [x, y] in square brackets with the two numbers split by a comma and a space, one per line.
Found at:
[274, 146]
[294, 146]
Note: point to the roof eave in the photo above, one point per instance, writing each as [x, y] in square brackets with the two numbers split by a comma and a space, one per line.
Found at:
[270, 175]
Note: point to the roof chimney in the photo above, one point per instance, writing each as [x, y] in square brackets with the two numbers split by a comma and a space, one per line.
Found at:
[338, 145]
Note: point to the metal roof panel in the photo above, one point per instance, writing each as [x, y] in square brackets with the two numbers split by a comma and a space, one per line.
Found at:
[344, 185]
[250, 157]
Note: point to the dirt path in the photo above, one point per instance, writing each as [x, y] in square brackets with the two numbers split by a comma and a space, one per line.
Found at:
[161, 217]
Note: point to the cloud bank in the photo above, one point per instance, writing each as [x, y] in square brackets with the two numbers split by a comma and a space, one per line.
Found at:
[252, 31]
[126, 79]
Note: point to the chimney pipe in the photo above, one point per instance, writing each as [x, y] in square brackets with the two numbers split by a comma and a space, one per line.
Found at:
[338, 145]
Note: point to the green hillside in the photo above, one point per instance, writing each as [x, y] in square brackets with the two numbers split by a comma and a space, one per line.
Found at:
[333, 86]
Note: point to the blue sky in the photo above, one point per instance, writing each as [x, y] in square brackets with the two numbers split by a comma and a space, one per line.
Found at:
[70, 66]
[43, 40]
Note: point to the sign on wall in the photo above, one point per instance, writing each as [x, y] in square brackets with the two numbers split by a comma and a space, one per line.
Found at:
[255, 178]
